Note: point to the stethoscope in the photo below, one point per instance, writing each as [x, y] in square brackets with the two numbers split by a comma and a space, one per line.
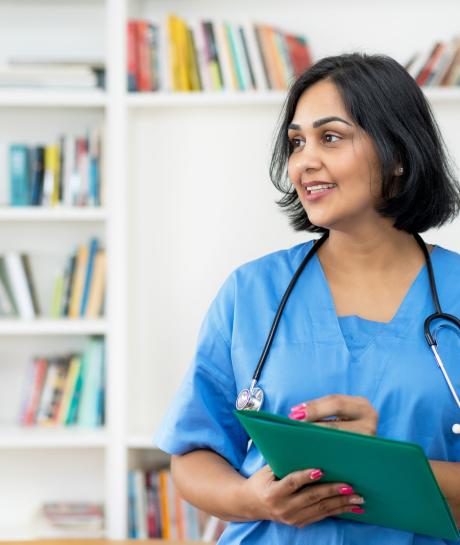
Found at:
[253, 397]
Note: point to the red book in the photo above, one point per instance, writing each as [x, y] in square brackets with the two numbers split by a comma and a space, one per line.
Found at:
[132, 56]
[144, 74]
[35, 394]
[299, 53]
[430, 64]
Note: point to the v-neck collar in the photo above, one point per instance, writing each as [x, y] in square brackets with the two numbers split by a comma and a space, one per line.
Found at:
[410, 308]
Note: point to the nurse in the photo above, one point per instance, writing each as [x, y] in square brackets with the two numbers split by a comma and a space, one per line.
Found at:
[359, 155]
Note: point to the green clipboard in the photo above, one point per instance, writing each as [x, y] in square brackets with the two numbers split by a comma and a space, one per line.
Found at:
[394, 477]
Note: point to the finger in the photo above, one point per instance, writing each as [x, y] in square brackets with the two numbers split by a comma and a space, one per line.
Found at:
[343, 406]
[293, 482]
[330, 508]
[363, 426]
[313, 495]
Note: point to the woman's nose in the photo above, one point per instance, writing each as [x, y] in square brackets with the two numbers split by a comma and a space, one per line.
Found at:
[307, 159]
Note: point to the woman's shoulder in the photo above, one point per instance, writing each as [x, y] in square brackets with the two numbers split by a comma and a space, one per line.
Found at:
[274, 263]
[447, 259]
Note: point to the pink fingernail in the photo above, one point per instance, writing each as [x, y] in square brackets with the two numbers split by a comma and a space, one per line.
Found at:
[297, 415]
[316, 474]
[298, 407]
[346, 490]
[357, 510]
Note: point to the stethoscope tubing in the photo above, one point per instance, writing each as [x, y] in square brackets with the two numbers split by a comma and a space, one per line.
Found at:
[252, 398]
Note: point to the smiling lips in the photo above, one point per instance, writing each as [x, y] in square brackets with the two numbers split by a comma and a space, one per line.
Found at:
[316, 190]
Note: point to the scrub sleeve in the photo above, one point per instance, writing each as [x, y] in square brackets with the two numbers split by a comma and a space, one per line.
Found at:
[201, 413]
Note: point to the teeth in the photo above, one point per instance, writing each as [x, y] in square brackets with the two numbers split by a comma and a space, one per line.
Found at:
[320, 187]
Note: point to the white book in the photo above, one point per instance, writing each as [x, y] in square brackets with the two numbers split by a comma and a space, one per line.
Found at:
[254, 55]
[202, 59]
[141, 504]
[444, 63]
[19, 285]
[164, 57]
[70, 167]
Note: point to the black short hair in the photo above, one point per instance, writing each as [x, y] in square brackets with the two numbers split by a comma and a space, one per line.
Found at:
[386, 102]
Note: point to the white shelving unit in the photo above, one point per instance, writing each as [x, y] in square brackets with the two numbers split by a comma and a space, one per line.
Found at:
[187, 200]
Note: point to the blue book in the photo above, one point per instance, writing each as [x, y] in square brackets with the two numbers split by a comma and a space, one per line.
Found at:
[93, 248]
[19, 175]
[93, 376]
[37, 168]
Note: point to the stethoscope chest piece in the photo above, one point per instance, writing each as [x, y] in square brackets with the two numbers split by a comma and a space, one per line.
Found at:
[250, 398]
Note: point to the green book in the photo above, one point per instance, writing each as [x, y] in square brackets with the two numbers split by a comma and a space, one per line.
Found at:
[394, 477]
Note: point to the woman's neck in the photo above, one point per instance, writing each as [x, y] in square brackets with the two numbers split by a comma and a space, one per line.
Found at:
[374, 249]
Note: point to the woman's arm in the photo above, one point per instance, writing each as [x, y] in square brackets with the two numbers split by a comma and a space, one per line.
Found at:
[208, 481]
[448, 476]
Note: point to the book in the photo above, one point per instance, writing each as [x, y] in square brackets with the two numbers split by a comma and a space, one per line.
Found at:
[19, 285]
[29, 415]
[93, 378]
[8, 305]
[19, 161]
[37, 161]
[68, 389]
[92, 250]
[30, 283]
[78, 281]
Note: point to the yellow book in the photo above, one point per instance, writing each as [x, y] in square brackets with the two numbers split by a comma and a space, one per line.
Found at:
[78, 281]
[97, 288]
[192, 62]
[164, 503]
[173, 49]
[183, 54]
[51, 176]
[69, 388]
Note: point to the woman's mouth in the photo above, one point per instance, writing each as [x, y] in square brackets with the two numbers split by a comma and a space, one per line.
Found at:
[314, 192]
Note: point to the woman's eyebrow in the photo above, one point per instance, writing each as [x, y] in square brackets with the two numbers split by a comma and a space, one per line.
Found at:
[319, 122]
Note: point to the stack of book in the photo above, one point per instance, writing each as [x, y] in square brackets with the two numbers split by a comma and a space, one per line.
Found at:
[79, 291]
[156, 510]
[212, 56]
[65, 390]
[53, 73]
[439, 65]
[67, 172]
[71, 520]
[18, 296]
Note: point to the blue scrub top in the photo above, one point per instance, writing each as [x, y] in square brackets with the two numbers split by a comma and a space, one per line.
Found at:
[315, 353]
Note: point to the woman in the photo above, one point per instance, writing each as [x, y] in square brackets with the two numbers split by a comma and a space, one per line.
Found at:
[365, 158]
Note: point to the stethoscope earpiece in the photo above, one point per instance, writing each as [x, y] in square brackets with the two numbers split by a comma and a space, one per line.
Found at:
[456, 428]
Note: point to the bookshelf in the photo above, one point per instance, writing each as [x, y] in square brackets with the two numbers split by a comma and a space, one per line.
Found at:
[178, 169]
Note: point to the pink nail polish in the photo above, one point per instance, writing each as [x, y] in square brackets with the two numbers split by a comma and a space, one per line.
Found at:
[298, 407]
[357, 510]
[345, 490]
[316, 474]
[297, 415]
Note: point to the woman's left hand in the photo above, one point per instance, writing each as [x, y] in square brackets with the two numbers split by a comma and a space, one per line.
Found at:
[337, 411]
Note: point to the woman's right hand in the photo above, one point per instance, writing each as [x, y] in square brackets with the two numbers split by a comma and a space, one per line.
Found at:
[298, 499]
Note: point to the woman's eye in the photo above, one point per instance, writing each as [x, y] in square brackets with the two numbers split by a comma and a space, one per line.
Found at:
[295, 143]
[326, 136]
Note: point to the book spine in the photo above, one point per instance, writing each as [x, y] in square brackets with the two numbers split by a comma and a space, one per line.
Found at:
[93, 247]
[19, 159]
[132, 55]
[37, 173]
[18, 280]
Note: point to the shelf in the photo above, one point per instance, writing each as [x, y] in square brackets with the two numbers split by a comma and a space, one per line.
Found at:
[41, 214]
[43, 326]
[50, 98]
[226, 98]
[242, 98]
[141, 442]
[40, 437]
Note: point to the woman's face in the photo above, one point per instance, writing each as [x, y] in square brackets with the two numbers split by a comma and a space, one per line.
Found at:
[333, 164]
